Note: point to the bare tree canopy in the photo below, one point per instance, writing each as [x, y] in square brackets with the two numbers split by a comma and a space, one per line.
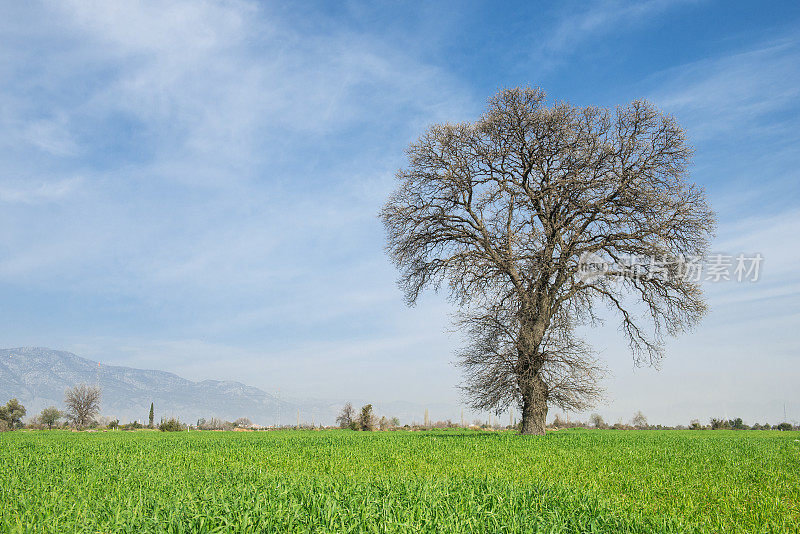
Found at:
[505, 212]
[345, 417]
[596, 420]
[639, 420]
[83, 404]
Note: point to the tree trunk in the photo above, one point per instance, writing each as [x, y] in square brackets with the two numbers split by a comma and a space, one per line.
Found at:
[534, 406]
[532, 386]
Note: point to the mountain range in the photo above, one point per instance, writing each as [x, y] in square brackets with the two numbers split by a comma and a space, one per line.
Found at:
[38, 377]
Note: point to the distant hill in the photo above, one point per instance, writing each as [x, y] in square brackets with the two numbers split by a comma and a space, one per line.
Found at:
[39, 376]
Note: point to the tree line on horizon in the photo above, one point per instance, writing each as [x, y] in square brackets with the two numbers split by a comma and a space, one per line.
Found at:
[83, 407]
[365, 419]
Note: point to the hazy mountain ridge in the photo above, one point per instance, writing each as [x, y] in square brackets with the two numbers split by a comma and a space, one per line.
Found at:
[39, 376]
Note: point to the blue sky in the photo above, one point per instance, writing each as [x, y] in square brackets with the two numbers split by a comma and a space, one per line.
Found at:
[194, 186]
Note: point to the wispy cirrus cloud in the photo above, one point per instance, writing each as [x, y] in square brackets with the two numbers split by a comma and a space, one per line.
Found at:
[50, 191]
[599, 18]
[583, 24]
[747, 94]
[232, 166]
[226, 97]
[740, 110]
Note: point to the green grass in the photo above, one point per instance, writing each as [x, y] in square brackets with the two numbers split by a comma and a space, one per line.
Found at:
[340, 481]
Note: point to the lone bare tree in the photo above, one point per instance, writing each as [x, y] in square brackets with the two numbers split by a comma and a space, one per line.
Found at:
[596, 420]
[639, 420]
[83, 404]
[535, 215]
[345, 417]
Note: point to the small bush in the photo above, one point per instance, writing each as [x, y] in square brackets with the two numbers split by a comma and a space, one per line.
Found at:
[135, 425]
[738, 424]
[171, 425]
[214, 424]
[243, 422]
[558, 422]
[720, 424]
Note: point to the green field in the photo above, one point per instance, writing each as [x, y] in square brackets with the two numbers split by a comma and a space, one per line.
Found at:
[439, 481]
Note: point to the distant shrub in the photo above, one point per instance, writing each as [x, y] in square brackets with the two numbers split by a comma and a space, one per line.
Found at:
[50, 416]
[171, 425]
[738, 424]
[366, 419]
[243, 422]
[113, 425]
[558, 422]
[720, 424]
[639, 421]
[135, 425]
[597, 421]
[214, 424]
[448, 425]
[784, 426]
